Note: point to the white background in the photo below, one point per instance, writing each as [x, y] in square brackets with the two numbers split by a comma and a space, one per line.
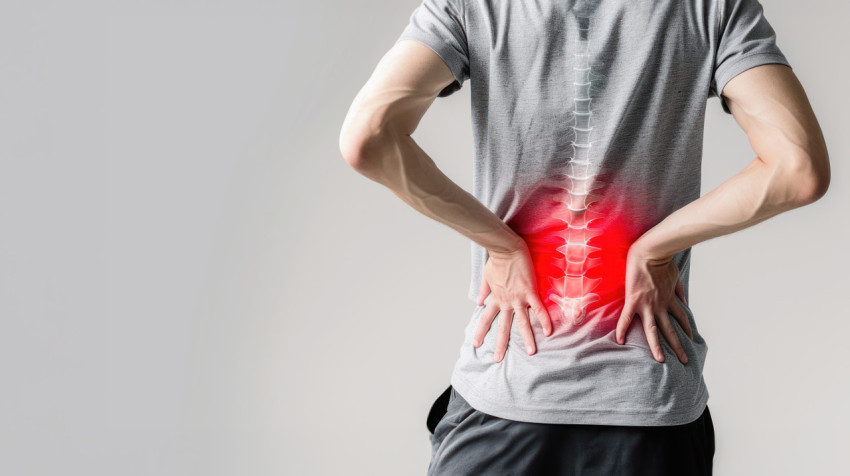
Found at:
[193, 282]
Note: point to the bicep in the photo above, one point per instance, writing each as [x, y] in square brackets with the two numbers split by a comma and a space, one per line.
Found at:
[770, 105]
[404, 84]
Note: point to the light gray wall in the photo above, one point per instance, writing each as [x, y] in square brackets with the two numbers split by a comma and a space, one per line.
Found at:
[193, 282]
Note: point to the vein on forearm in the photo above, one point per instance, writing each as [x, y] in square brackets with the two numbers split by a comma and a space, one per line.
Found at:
[398, 163]
[755, 194]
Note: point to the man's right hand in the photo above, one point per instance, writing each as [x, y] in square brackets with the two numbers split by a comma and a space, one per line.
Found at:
[650, 287]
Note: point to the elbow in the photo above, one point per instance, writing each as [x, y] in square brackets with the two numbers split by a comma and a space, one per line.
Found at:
[811, 179]
[352, 145]
[814, 190]
[360, 142]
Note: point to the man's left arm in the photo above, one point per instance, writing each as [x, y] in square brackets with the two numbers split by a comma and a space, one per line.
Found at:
[376, 141]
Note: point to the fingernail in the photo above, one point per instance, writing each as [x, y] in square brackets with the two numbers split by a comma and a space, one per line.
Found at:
[529, 349]
[497, 357]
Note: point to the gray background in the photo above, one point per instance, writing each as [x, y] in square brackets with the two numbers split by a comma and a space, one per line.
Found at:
[193, 282]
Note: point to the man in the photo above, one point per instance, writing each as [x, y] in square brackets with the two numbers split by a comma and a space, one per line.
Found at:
[588, 119]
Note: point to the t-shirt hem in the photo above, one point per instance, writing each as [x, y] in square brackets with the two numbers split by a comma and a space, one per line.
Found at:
[648, 417]
[442, 48]
[728, 71]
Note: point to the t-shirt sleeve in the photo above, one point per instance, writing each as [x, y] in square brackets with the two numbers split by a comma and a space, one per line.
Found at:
[439, 25]
[746, 40]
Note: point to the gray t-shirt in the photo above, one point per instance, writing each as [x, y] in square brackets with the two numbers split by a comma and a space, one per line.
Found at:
[588, 127]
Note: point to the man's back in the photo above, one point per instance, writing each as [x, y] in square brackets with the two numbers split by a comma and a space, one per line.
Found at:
[588, 122]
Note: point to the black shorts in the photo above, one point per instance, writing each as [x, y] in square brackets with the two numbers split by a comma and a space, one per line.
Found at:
[466, 441]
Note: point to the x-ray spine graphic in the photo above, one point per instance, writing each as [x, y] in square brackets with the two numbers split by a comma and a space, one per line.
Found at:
[572, 292]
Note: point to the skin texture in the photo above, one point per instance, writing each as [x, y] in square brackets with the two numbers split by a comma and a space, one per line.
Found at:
[768, 102]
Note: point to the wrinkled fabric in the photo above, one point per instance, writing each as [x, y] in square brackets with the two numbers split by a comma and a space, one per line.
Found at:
[588, 130]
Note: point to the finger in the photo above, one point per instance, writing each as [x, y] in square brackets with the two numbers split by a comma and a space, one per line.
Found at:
[483, 292]
[670, 335]
[682, 317]
[506, 316]
[524, 325]
[651, 330]
[541, 313]
[680, 290]
[484, 323]
[623, 323]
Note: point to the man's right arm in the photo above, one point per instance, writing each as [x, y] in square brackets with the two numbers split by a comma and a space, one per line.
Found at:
[791, 168]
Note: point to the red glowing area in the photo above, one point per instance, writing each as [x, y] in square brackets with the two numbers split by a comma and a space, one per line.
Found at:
[579, 241]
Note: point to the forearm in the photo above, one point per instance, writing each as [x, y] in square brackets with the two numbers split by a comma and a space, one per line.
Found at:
[757, 193]
[396, 161]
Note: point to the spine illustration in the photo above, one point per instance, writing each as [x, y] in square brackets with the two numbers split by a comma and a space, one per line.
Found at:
[572, 292]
